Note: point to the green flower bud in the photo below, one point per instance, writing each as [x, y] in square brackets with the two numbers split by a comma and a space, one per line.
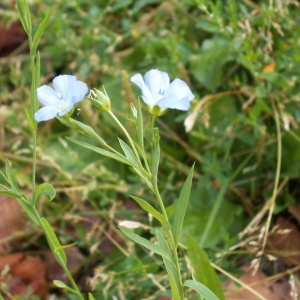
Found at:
[99, 100]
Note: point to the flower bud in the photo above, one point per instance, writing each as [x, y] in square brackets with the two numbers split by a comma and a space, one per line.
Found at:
[99, 100]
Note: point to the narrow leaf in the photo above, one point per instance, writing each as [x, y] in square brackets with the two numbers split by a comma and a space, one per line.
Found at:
[202, 269]
[103, 152]
[11, 177]
[65, 247]
[91, 297]
[81, 128]
[4, 177]
[11, 194]
[201, 289]
[44, 189]
[32, 123]
[151, 210]
[128, 152]
[155, 154]
[39, 33]
[140, 125]
[175, 281]
[37, 72]
[181, 206]
[143, 176]
[62, 285]
[145, 243]
[24, 15]
[54, 243]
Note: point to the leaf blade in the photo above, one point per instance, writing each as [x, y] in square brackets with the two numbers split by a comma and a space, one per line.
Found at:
[203, 271]
[151, 210]
[40, 32]
[181, 206]
[201, 289]
[145, 243]
[44, 189]
[103, 152]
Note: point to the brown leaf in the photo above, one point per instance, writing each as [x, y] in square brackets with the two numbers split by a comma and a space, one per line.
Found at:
[26, 273]
[11, 221]
[256, 282]
[286, 245]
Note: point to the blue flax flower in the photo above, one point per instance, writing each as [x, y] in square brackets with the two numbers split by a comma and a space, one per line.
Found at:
[157, 91]
[60, 100]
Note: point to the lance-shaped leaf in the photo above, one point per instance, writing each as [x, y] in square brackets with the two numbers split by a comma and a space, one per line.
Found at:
[145, 243]
[24, 15]
[175, 281]
[155, 154]
[35, 81]
[81, 128]
[44, 189]
[151, 210]
[202, 269]
[54, 243]
[10, 193]
[103, 152]
[128, 152]
[181, 206]
[31, 121]
[39, 33]
[91, 297]
[62, 285]
[201, 289]
[140, 125]
[11, 177]
[143, 176]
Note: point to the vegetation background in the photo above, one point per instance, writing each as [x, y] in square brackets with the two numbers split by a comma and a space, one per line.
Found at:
[242, 61]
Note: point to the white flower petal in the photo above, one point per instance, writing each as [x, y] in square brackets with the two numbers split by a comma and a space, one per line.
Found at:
[47, 96]
[46, 113]
[138, 80]
[178, 96]
[80, 89]
[158, 83]
[64, 85]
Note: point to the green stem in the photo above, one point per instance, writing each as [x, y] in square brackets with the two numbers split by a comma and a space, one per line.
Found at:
[171, 238]
[33, 163]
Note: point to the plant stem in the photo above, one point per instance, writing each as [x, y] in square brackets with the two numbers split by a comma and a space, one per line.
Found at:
[277, 175]
[33, 163]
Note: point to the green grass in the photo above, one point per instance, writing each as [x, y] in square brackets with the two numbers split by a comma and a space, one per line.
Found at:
[241, 60]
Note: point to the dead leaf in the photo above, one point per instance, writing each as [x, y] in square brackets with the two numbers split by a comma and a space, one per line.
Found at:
[286, 245]
[11, 221]
[25, 273]
[257, 282]
[269, 68]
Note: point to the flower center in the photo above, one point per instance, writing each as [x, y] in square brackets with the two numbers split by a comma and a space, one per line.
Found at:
[162, 91]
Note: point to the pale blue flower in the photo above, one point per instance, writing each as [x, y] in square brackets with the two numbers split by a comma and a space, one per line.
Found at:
[158, 91]
[60, 100]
